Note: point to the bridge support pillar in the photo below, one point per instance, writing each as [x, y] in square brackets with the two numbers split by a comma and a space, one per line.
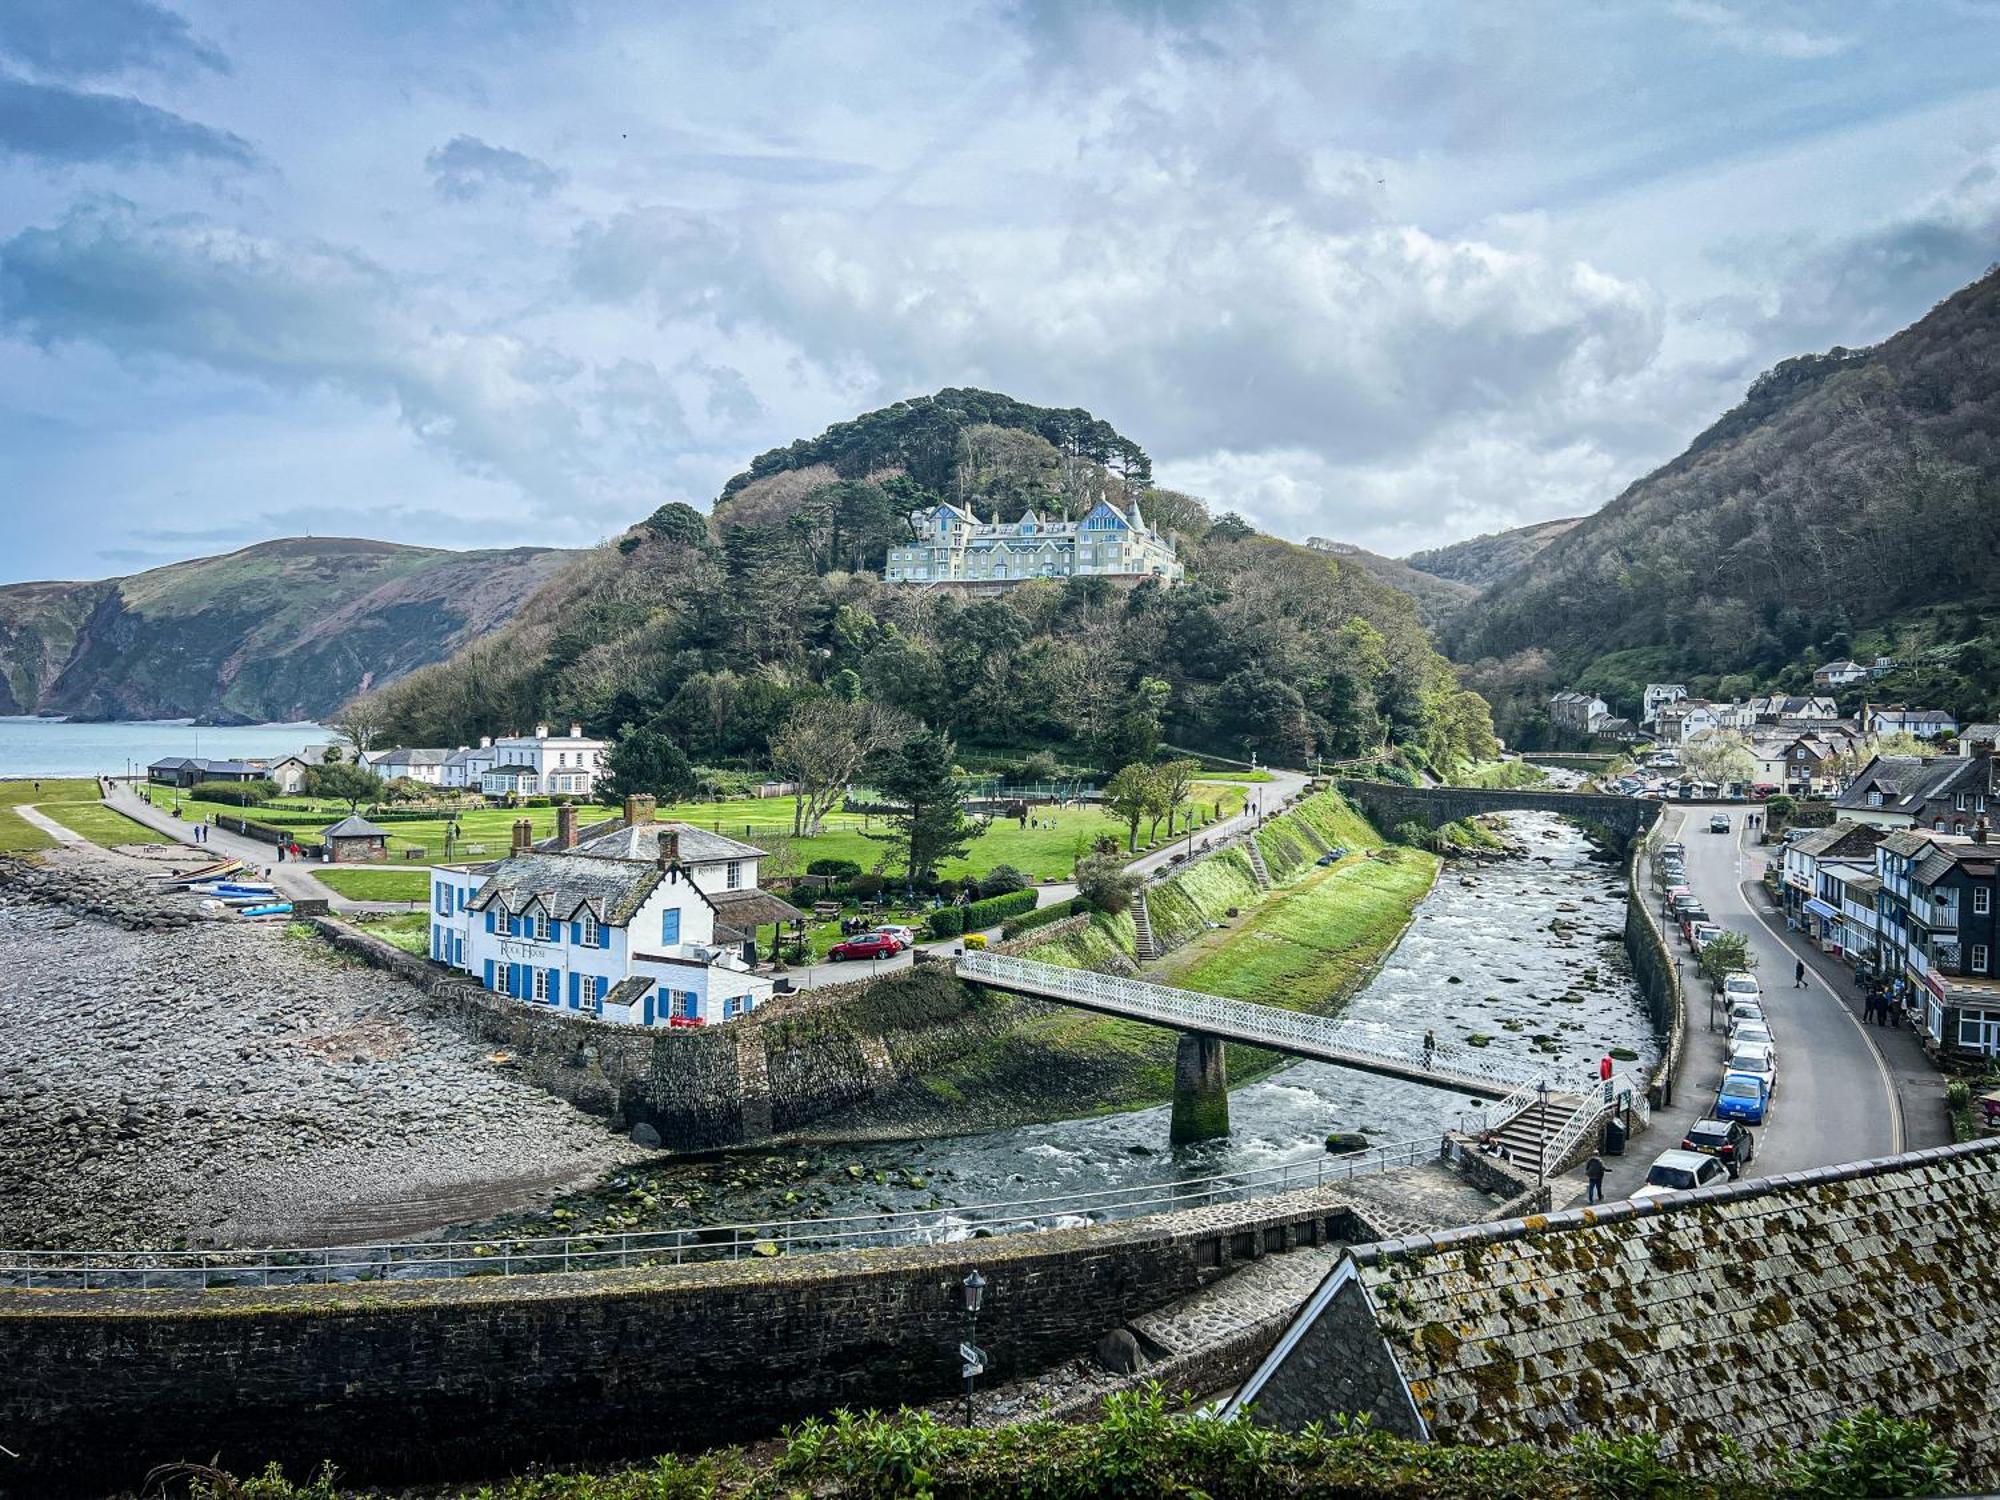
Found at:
[1201, 1090]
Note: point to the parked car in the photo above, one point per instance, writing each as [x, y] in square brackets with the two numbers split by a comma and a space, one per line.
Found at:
[1757, 1032]
[1745, 1010]
[1728, 1141]
[1739, 985]
[867, 945]
[1702, 933]
[905, 936]
[1744, 1097]
[1752, 1057]
[1718, 822]
[1680, 1171]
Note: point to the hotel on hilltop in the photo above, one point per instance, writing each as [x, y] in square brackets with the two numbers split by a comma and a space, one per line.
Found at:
[955, 546]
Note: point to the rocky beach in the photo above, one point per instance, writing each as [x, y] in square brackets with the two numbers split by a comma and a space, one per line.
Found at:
[168, 1078]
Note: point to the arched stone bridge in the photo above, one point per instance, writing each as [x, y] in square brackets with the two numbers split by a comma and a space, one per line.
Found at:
[1388, 804]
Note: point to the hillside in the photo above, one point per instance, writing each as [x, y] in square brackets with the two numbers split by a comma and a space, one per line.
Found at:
[283, 630]
[1483, 561]
[712, 634]
[1846, 492]
[1437, 598]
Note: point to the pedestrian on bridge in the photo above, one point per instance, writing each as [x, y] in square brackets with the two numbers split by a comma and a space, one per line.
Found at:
[1430, 1048]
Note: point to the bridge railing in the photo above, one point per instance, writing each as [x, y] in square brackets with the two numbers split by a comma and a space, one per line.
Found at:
[1245, 1020]
[103, 1270]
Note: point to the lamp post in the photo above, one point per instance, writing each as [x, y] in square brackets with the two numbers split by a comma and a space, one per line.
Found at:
[972, 1358]
[1542, 1132]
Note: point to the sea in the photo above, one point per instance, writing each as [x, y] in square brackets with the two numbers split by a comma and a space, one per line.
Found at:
[59, 747]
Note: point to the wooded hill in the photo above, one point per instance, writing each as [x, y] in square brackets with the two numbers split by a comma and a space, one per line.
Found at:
[710, 632]
[1848, 491]
[286, 629]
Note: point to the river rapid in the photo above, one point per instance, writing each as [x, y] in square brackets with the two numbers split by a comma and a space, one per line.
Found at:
[1526, 953]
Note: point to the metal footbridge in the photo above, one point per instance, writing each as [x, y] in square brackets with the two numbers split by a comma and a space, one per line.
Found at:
[1347, 1044]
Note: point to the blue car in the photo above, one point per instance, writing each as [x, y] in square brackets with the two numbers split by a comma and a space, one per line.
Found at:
[1744, 1097]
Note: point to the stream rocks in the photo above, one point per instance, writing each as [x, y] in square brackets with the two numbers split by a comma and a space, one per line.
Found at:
[167, 1079]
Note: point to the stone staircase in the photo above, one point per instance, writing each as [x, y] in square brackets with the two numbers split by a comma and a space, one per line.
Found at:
[1523, 1135]
[1144, 944]
[1257, 862]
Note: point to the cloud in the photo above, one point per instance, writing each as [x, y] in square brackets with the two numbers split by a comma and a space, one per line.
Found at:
[465, 168]
[94, 38]
[1753, 31]
[60, 126]
[294, 315]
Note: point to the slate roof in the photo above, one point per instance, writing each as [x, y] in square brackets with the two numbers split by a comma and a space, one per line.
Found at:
[1967, 733]
[410, 757]
[642, 841]
[611, 890]
[1905, 781]
[1761, 1309]
[354, 826]
[1821, 840]
[754, 907]
[510, 770]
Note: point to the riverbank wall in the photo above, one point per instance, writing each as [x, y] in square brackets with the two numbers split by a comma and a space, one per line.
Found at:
[407, 1382]
[1658, 979]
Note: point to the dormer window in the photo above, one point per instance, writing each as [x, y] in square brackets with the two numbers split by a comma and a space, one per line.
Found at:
[541, 927]
[589, 929]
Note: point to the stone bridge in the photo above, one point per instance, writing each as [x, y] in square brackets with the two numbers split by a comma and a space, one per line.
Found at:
[1388, 804]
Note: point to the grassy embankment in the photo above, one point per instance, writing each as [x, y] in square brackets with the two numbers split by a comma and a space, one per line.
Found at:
[1043, 853]
[72, 801]
[1308, 945]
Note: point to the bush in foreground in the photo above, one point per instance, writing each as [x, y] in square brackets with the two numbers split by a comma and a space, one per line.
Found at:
[1143, 1449]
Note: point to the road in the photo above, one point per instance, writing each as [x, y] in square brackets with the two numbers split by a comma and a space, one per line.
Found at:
[293, 879]
[1844, 1090]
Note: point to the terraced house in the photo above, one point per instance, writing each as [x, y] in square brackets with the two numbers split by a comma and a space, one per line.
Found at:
[954, 546]
[633, 921]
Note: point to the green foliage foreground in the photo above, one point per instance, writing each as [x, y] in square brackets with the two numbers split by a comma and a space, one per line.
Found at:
[1142, 1449]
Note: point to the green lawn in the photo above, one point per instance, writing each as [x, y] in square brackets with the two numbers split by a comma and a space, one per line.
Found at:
[72, 802]
[358, 883]
[410, 931]
[1042, 853]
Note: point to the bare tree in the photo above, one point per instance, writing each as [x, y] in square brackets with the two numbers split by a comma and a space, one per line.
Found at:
[822, 746]
[360, 721]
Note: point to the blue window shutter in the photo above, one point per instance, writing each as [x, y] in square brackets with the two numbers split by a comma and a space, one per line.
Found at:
[489, 919]
[649, 1008]
[489, 973]
[670, 926]
[555, 986]
[602, 983]
[575, 991]
[576, 933]
[603, 935]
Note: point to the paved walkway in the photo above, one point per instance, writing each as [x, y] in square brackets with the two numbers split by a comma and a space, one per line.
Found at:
[38, 819]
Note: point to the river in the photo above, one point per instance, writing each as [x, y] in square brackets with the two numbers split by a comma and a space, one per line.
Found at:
[60, 747]
[1481, 958]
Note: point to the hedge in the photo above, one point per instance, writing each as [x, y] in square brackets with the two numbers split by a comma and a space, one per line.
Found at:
[994, 909]
[946, 921]
[1041, 917]
[235, 793]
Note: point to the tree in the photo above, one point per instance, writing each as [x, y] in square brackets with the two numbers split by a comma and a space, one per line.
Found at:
[1718, 758]
[342, 782]
[822, 746]
[927, 805]
[1724, 954]
[1102, 880]
[1128, 795]
[361, 722]
[1173, 784]
[675, 522]
[644, 762]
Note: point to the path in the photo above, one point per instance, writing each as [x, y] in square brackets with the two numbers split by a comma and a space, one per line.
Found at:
[38, 819]
[1837, 1098]
[1263, 798]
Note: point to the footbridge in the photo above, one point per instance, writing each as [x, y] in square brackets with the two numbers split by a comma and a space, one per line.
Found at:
[1388, 804]
[1201, 1097]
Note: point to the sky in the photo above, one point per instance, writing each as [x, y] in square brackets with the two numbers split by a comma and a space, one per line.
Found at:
[519, 271]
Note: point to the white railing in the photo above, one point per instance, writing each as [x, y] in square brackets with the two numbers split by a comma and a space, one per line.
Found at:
[1602, 1098]
[100, 1270]
[1294, 1031]
[1484, 1117]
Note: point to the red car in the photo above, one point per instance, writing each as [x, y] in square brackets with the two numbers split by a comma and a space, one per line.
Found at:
[868, 945]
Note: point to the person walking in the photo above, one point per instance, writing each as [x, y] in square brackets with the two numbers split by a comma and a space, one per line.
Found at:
[1430, 1048]
[1799, 974]
[1593, 1171]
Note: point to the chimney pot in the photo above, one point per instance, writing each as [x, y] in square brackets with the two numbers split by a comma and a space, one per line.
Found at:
[486, 742]
[670, 848]
[575, 730]
[566, 825]
[541, 731]
[639, 808]
[524, 836]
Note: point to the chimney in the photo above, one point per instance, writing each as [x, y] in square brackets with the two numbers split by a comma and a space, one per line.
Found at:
[541, 731]
[524, 836]
[575, 730]
[486, 742]
[670, 848]
[566, 826]
[1979, 832]
[639, 808]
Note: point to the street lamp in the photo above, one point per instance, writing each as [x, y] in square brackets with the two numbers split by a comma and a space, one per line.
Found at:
[1542, 1131]
[972, 1358]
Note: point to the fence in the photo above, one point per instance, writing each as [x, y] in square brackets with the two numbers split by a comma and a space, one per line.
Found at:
[97, 1270]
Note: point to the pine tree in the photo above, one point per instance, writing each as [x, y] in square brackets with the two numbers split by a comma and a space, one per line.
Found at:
[927, 816]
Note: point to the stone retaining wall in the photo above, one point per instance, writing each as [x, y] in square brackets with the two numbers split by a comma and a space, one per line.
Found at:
[403, 1382]
[1658, 980]
[790, 1062]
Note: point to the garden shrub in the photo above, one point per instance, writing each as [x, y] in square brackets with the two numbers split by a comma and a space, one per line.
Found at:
[235, 793]
[996, 909]
[1042, 917]
[946, 921]
[1003, 880]
[834, 869]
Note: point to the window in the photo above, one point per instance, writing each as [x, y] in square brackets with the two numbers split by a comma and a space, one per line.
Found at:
[1874, 799]
[1979, 1031]
[542, 986]
[734, 877]
[1979, 958]
[1962, 802]
[1982, 900]
[589, 931]
[683, 1005]
[541, 927]
[732, 1007]
[670, 927]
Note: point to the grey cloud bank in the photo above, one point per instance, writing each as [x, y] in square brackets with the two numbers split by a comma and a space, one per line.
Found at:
[1390, 275]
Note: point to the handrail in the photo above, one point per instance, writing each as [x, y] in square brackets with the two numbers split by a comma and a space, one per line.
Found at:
[102, 1269]
[1287, 1030]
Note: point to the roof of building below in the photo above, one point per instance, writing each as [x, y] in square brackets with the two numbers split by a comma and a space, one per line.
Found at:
[510, 770]
[698, 846]
[1761, 1310]
[753, 907]
[610, 890]
[354, 826]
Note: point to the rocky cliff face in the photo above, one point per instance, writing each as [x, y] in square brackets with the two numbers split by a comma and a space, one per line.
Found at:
[283, 630]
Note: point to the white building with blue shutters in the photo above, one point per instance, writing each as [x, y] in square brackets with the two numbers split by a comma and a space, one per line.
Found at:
[641, 923]
[954, 546]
